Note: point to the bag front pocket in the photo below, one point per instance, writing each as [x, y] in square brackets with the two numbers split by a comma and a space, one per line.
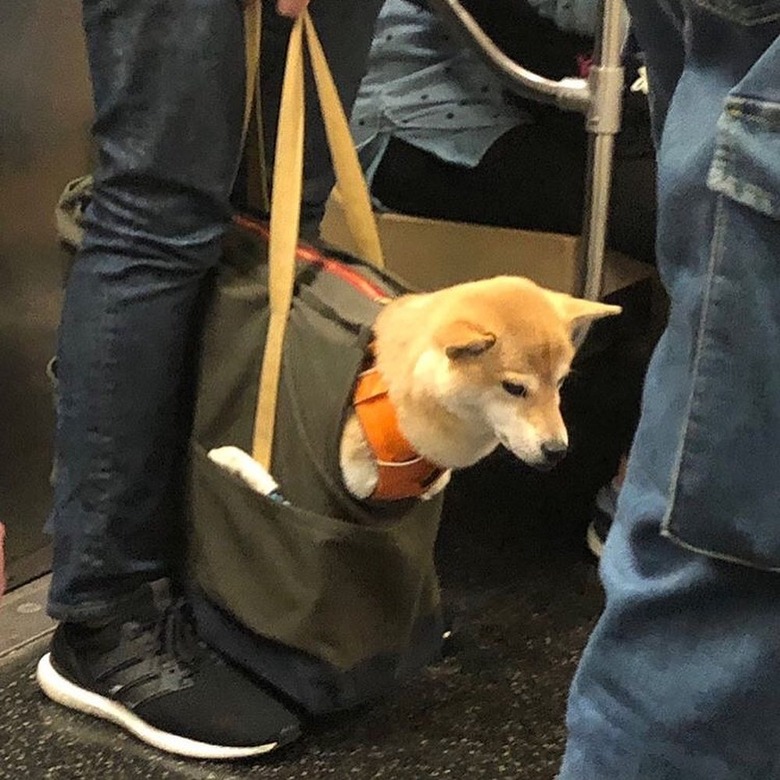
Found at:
[340, 591]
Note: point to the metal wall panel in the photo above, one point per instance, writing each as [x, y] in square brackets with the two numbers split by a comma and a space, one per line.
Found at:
[45, 111]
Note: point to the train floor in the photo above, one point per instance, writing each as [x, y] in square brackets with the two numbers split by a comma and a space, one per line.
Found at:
[518, 579]
[525, 593]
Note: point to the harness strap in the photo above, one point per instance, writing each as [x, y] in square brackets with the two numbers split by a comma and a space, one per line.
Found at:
[403, 473]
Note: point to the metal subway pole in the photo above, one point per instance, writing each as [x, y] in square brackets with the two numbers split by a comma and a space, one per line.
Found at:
[599, 98]
[602, 123]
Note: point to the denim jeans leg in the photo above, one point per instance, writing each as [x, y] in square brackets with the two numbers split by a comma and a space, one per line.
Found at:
[681, 677]
[168, 90]
[168, 79]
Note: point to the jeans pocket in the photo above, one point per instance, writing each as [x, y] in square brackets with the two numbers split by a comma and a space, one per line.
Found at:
[726, 488]
[743, 12]
[746, 166]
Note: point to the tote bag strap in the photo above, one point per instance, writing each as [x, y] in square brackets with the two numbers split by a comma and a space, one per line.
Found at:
[286, 209]
[252, 31]
[254, 149]
[350, 180]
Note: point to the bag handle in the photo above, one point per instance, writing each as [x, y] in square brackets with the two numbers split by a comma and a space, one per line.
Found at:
[254, 153]
[286, 209]
[252, 30]
[350, 179]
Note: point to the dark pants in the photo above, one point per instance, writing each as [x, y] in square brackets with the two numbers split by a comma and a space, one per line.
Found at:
[168, 78]
[531, 178]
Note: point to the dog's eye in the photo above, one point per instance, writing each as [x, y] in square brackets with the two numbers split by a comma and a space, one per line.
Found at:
[513, 388]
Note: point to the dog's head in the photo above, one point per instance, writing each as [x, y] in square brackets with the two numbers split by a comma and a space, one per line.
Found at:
[501, 353]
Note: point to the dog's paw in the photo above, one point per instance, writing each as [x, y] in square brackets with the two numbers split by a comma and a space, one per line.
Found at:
[358, 468]
[242, 465]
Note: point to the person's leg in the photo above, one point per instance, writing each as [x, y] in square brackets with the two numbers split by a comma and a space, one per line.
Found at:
[680, 677]
[168, 107]
[531, 178]
[168, 88]
[632, 205]
[168, 81]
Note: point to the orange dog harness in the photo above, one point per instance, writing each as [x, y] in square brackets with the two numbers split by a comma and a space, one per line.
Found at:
[402, 472]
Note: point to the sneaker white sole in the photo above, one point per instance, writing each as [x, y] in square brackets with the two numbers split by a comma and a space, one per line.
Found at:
[64, 692]
[595, 545]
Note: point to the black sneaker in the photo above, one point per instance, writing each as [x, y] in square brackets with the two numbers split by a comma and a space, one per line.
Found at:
[148, 672]
[601, 519]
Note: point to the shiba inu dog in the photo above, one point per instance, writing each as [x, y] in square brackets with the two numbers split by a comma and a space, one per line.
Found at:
[460, 370]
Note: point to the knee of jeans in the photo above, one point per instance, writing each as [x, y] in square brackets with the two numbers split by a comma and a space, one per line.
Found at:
[156, 220]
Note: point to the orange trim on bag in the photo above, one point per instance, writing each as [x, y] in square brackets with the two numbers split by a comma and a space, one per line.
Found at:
[308, 254]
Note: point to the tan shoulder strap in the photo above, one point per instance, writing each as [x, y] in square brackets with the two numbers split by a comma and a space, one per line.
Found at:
[286, 209]
[285, 218]
[252, 31]
[349, 175]
[254, 146]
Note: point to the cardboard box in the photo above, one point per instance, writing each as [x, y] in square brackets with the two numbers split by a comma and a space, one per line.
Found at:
[429, 253]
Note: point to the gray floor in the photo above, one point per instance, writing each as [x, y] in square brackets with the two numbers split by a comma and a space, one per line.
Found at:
[525, 595]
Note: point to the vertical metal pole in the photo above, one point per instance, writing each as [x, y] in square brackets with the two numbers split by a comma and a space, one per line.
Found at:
[603, 122]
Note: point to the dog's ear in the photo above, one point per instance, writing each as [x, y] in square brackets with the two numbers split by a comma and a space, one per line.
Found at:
[463, 339]
[577, 312]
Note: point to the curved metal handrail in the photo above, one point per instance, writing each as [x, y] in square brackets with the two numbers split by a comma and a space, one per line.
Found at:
[570, 94]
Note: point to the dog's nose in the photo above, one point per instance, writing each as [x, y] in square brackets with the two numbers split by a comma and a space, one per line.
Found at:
[554, 451]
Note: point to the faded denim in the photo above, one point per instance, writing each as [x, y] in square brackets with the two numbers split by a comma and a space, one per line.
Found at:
[681, 677]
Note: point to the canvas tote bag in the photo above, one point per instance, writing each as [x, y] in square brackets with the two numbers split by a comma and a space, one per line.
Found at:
[331, 599]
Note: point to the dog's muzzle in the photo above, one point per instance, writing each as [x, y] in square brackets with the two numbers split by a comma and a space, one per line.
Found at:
[553, 452]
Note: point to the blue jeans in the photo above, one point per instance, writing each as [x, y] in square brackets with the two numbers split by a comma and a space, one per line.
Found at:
[168, 81]
[681, 677]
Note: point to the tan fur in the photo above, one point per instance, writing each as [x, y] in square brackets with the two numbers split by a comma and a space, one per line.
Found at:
[444, 356]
